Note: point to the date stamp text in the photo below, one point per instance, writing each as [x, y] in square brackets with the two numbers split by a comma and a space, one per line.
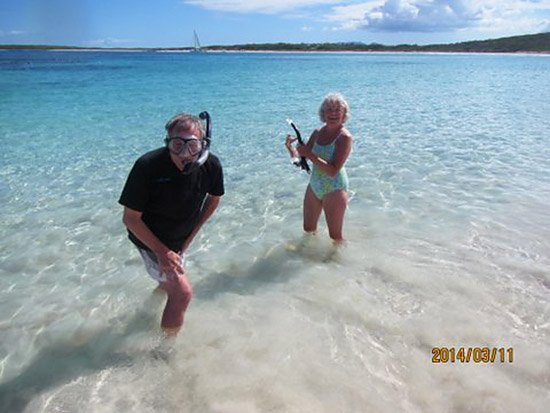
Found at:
[472, 355]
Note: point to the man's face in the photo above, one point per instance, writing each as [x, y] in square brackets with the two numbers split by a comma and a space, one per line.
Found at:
[184, 145]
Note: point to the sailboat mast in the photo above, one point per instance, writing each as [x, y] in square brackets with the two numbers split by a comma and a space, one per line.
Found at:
[197, 45]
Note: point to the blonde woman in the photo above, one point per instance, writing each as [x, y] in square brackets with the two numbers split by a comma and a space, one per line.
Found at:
[328, 149]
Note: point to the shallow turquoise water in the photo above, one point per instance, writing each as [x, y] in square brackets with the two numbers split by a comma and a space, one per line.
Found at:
[448, 235]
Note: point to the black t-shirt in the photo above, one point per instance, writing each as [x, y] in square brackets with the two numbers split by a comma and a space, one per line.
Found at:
[170, 201]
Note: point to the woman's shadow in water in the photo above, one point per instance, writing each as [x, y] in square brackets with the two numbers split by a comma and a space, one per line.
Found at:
[278, 265]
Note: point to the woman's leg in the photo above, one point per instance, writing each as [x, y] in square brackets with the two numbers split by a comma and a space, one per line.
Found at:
[334, 205]
[312, 210]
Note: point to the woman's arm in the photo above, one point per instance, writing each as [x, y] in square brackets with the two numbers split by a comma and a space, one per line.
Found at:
[342, 151]
[312, 139]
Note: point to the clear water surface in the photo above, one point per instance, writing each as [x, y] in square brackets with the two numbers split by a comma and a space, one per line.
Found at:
[448, 235]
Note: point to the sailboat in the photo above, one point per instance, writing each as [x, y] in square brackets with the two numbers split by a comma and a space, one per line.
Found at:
[196, 45]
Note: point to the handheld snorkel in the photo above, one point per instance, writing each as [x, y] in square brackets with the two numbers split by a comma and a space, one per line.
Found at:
[205, 151]
[302, 163]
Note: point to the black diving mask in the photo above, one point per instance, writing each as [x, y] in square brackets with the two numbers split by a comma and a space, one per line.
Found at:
[190, 145]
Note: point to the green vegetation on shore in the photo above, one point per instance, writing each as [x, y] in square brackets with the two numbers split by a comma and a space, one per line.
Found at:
[528, 43]
[533, 43]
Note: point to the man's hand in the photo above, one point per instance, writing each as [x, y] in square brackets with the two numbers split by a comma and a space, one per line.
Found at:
[170, 264]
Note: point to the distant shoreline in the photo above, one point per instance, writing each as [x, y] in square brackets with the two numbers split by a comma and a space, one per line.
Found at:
[259, 51]
[234, 51]
[525, 44]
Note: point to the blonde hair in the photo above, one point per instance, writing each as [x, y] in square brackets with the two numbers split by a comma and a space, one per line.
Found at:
[185, 121]
[337, 99]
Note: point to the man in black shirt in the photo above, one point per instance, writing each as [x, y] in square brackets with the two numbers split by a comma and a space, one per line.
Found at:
[169, 194]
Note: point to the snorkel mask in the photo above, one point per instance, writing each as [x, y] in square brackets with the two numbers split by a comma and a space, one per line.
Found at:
[199, 150]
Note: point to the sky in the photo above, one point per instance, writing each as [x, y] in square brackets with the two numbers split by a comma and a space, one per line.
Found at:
[170, 23]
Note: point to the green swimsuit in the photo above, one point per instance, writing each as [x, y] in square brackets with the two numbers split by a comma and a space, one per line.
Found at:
[320, 182]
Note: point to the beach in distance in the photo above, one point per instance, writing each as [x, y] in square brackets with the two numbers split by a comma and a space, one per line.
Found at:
[439, 302]
[530, 43]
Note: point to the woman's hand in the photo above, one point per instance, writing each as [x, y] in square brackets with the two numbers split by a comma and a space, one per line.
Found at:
[290, 139]
[291, 149]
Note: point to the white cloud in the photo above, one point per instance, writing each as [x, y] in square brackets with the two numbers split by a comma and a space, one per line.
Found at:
[402, 15]
[307, 28]
[514, 16]
[411, 15]
[258, 6]
[11, 33]
[351, 16]
[442, 15]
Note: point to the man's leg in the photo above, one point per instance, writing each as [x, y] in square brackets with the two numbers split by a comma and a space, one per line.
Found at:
[178, 290]
[179, 293]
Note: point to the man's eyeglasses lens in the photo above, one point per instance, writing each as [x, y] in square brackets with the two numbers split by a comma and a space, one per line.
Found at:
[179, 145]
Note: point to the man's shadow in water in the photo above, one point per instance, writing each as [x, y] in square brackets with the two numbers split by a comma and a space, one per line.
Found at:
[62, 362]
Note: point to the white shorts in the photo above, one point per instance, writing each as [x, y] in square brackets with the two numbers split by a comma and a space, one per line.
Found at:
[152, 265]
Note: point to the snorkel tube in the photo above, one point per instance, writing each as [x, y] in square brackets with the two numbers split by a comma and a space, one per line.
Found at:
[205, 151]
[302, 163]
